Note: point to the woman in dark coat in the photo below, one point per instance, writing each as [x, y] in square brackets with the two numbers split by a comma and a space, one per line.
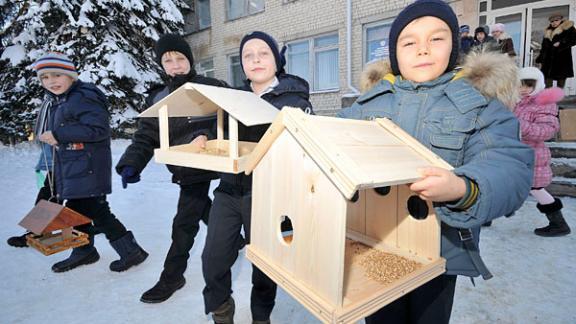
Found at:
[556, 53]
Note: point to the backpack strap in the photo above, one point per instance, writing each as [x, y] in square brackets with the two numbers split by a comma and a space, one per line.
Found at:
[472, 249]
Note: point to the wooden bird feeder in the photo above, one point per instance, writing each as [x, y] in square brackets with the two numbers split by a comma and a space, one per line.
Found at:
[199, 100]
[52, 229]
[321, 173]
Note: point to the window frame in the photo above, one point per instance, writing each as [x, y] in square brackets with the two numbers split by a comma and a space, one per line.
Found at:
[197, 16]
[245, 10]
[200, 71]
[312, 50]
[365, 27]
[231, 70]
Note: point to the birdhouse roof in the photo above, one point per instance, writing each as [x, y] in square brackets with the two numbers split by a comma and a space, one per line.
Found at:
[354, 154]
[193, 99]
[47, 217]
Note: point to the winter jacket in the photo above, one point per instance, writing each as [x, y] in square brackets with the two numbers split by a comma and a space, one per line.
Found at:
[291, 91]
[182, 130]
[505, 44]
[79, 121]
[557, 61]
[468, 128]
[538, 116]
[466, 44]
[489, 44]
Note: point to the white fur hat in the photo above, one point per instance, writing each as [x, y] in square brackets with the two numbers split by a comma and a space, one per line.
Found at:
[532, 73]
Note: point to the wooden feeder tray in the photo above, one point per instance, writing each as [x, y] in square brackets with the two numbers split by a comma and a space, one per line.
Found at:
[51, 243]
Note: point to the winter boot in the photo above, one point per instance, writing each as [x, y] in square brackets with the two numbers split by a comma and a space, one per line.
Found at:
[557, 225]
[225, 313]
[18, 241]
[162, 290]
[86, 254]
[130, 252]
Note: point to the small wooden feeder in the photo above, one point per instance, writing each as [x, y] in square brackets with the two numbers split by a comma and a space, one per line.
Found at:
[199, 100]
[321, 173]
[52, 228]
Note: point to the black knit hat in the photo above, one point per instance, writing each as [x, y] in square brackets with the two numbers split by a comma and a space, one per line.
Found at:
[418, 9]
[278, 54]
[172, 43]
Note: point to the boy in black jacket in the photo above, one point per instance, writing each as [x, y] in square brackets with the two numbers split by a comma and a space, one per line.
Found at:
[175, 57]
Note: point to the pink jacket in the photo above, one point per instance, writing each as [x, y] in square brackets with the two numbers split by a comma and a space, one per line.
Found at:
[538, 116]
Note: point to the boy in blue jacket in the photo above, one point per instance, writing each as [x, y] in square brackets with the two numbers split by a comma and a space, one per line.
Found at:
[460, 116]
[78, 128]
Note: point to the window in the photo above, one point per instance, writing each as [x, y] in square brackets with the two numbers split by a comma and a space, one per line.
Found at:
[240, 8]
[203, 14]
[315, 60]
[205, 68]
[236, 74]
[376, 42]
[197, 15]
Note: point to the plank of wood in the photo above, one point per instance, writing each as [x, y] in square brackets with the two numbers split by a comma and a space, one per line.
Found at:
[220, 127]
[265, 142]
[317, 211]
[163, 129]
[233, 137]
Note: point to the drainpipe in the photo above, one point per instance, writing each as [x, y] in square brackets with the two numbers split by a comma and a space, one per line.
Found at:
[354, 91]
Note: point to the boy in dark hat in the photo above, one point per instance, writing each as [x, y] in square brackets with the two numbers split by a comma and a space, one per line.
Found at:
[173, 54]
[466, 41]
[78, 129]
[461, 117]
[263, 64]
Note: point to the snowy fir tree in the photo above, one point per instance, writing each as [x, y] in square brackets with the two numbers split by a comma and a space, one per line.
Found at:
[111, 42]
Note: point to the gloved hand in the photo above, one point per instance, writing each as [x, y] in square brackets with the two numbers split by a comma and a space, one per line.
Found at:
[129, 175]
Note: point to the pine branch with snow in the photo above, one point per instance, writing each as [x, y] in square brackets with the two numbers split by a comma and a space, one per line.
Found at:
[110, 41]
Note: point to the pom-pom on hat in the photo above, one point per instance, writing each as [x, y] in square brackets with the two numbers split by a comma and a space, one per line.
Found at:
[57, 63]
[172, 43]
[271, 42]
[418, 9]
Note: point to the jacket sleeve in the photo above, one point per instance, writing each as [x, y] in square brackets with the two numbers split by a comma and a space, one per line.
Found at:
[91, 121]
[499, 163]
[542, 127]
[568, 40]
[144, 141]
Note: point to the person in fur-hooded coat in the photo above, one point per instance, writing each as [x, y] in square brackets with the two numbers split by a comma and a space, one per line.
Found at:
[556, 52]
[538, 115]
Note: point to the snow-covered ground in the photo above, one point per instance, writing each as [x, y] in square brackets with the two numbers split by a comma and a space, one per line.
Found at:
[534, 278]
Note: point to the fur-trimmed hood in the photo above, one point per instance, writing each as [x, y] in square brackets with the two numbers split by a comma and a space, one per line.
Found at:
[493, 74]
[551, 32]
[549, 96]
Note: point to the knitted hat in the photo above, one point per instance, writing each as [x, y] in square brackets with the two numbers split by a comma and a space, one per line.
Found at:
[479, 30]
[172, 43]
[532, 73]
[498, 28]
[464, 29]
[278, 54]
[57, 63]
[418, 9]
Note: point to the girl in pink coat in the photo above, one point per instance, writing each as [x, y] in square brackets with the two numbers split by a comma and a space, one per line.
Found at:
[537, 113]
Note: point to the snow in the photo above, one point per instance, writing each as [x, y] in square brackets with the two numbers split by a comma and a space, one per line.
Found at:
[14, 53]
[533, 282]
[564, 161]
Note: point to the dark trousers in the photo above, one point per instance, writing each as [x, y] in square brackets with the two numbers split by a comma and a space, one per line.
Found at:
[427, 304]
[230, 212]
[193, 205]
[98, 210]
[559, 82]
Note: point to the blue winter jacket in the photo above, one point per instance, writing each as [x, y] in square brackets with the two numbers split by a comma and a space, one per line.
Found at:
[478, 136]
[79, 120]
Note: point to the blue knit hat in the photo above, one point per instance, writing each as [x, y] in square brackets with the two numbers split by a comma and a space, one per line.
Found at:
[418, 9]
[55, 62]
[278, 54]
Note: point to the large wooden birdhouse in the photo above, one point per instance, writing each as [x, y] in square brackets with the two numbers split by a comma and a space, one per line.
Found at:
[52, 228]
[199, 100]
[360, 238]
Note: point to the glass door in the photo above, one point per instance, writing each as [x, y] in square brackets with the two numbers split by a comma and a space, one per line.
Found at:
[514, 23]
[539, 22]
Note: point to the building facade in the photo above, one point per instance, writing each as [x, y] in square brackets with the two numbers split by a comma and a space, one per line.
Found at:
[329, 42]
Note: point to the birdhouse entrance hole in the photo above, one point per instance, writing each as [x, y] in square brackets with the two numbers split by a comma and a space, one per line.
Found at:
[417, 207]
[286, 230]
